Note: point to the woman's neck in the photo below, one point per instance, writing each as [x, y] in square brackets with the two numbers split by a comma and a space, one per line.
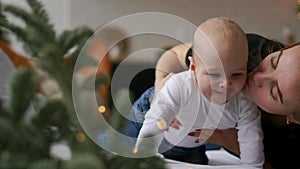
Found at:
[273, 120]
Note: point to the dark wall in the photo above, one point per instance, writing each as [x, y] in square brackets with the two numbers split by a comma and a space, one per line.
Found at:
[143, 78]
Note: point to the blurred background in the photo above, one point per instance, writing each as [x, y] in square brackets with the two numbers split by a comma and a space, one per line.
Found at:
[275, 19]
[40, 43]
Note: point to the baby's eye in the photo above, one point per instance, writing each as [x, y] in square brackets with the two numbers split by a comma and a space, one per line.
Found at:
[237, 75]
[214, 75]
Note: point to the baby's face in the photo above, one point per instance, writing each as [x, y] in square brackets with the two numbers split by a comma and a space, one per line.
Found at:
[222, 71]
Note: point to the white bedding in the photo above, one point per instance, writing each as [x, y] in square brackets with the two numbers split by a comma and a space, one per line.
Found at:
[218, 159]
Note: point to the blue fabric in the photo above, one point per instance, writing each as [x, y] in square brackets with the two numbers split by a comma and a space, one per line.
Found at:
[138, 112]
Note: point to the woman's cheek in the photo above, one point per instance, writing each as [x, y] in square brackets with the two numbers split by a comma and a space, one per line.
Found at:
[265, 103]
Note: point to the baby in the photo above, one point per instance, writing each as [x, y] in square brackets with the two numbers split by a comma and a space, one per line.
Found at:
[207, 96]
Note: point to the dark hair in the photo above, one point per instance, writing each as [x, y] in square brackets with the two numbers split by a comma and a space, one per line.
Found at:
[275, 46]
[259, 48]
[290, 46]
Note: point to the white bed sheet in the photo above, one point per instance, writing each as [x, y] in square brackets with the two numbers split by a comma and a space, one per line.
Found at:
[218, 159]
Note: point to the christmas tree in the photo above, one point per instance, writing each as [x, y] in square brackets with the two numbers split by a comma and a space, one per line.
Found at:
[49, 135]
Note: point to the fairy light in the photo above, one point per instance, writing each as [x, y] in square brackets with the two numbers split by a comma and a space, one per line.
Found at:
[101, 109]
[135, 150]
[80, 137]
[161, 124]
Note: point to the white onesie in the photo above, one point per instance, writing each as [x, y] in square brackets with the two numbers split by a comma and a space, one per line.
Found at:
[181, 98]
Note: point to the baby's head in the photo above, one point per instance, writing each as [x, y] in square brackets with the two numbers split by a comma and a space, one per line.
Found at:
[220, 56]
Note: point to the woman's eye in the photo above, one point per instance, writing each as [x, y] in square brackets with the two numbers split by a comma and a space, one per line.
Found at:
[271, 91]
[272, 62]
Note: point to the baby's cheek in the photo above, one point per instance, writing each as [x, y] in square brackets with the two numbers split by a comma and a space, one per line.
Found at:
[206, 91]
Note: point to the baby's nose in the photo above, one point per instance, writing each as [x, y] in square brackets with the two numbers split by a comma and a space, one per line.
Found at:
[226, 83]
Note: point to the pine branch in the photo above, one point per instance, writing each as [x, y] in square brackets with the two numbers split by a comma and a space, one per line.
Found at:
[6, 130]
[38, 9]
[37, 147]
[43, 164]
[43, 29]
[3, 111]
[3, 23]
[53, 114]
[18, 31]
[22, 36]
[16, 11]
[138, 163]
[22, 88]
[76, 53]
[71, 38]
[85, 160]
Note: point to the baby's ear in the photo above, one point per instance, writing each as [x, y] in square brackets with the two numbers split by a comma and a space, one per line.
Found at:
[293, 119]
[192, 64]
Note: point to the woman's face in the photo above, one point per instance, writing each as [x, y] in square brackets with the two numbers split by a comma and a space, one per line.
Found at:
[275, 84]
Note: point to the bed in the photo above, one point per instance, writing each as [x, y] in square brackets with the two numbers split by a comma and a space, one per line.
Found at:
[218, 159]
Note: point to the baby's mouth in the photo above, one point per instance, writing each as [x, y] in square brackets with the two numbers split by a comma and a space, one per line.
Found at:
[218, 92]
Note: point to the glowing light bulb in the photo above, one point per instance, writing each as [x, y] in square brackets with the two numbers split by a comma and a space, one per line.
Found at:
[102, 109]
[135, 150]
[80, 137]
[161, 124]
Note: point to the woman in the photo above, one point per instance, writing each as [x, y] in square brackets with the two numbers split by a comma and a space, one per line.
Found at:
[273, 82]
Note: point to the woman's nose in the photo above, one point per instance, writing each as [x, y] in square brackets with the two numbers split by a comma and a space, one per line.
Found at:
[260, 78]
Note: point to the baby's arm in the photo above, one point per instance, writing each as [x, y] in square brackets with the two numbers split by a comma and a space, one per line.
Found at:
[172, 61]
[250, 136]
[158, 118]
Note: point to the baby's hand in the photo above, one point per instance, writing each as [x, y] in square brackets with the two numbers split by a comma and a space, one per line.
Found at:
[175, 123]
[202, 135]
[223, 137]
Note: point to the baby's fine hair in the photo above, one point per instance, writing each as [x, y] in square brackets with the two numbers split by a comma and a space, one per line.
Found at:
[222, 30]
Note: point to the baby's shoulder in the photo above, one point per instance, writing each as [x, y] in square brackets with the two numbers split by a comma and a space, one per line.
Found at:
[183, 79]
[184, 83]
